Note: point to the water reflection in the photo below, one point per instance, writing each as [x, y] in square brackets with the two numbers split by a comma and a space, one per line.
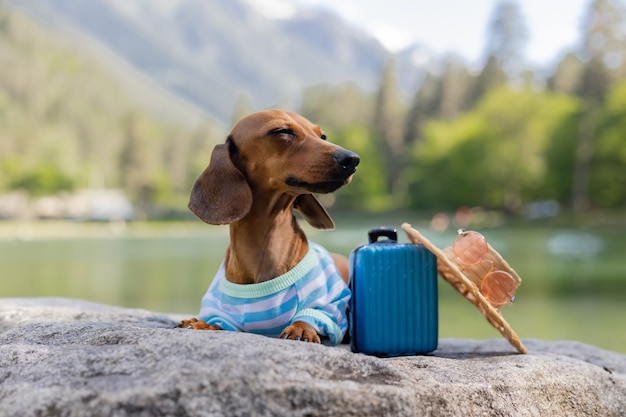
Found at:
[572, 281]
[576, 245]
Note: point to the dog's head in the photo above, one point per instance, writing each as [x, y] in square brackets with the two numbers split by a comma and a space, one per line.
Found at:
[268, 154]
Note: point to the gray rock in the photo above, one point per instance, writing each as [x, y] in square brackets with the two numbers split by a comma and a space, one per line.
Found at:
[62, 357]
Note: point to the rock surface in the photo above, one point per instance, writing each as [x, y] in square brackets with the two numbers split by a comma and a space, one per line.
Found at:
[62, 357]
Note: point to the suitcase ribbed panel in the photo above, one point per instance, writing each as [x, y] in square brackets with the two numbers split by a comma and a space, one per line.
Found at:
[394, 308]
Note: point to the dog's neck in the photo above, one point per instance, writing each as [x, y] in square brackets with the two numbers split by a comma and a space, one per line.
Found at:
[266, 243]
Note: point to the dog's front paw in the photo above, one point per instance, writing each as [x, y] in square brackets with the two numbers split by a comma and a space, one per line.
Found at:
[196, 324]
[300, 331]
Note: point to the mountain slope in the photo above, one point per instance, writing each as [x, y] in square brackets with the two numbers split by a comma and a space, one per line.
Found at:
[211, 51]
[66, 123]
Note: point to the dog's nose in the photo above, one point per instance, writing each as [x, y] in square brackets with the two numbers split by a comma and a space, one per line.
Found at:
[347, 160]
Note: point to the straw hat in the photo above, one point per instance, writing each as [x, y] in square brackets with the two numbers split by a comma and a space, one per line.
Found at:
[459, 277]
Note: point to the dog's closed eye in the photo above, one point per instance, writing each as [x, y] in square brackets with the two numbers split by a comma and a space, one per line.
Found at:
[283, 131]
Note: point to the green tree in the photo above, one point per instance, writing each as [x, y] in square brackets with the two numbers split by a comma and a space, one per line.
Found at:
[444, 97]
[603, 50]
[492, 156]
[138, 162]
[567, 75]
[176, 157]
[456, 83]
[203, 140]
[334, 107]
[506, 39]
[507, 36]
[561, 155]
[424, 106]
[388, 118]
[490, 77]
[44, 179]
[607, 182]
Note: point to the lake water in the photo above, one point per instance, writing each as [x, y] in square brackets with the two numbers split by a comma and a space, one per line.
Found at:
[574, 281]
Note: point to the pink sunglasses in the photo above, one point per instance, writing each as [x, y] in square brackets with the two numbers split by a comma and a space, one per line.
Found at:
[497, 286]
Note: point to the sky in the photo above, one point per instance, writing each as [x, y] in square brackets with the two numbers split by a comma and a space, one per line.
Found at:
[459, 26]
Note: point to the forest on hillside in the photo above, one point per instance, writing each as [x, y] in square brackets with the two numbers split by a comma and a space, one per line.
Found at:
[499, 138]
[66, 124]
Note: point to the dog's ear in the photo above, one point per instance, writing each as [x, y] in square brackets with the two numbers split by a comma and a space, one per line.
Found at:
[313, 212]
[221, 194]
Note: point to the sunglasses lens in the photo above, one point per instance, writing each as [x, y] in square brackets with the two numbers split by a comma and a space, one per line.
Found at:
[470, 247]
[498, 287]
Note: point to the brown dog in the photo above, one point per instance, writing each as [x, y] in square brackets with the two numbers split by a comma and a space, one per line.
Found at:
[272, 162]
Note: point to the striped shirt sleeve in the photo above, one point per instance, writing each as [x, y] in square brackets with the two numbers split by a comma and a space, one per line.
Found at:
[323, 298]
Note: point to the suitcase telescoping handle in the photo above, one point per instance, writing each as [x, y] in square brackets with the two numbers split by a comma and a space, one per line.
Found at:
[389, 232]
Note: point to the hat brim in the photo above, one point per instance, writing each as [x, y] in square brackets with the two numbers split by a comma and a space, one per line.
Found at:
[455, 277]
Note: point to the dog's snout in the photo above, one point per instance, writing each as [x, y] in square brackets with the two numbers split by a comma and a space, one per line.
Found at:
[347, 160]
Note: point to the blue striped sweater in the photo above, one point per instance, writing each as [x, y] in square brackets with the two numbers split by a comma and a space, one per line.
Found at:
[312, 292]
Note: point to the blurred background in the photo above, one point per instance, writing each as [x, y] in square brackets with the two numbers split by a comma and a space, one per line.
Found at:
[501, 116]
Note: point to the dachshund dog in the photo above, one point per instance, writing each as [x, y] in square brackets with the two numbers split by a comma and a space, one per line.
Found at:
[273, 281]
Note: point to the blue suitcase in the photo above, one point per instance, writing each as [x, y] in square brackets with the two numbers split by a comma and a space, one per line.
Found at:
[393, 308]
